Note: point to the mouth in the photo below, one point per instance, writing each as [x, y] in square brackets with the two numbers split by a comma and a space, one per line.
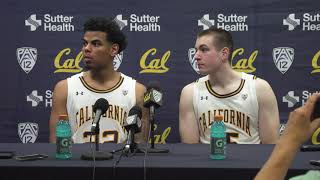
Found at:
[200, 65]
[87, 59]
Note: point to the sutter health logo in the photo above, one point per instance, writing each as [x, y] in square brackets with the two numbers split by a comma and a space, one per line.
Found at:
[232, 22]
[50, 22]
[295, 99]
[308, 22]
[142, 23]
[153, 62]
[35, 98]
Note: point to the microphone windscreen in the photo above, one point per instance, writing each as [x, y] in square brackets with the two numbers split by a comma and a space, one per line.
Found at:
[135, 110]
[154, 84]
[101, 104]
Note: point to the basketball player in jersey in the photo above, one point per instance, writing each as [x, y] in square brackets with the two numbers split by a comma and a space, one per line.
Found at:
[247, 103]
[76, 95]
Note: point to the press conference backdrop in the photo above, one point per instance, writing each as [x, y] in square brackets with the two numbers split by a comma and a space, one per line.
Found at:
[41, 44]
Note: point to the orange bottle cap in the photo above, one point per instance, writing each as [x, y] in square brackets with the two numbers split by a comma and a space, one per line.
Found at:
[218, 117]
[63, 117]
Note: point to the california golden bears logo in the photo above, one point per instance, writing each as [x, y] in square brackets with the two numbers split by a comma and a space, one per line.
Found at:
[149, 64]
[315, 65]
[63, 64]
[243, 65]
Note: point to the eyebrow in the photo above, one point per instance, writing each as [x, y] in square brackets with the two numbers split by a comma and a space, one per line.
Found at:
[93, 41]
[202, 46]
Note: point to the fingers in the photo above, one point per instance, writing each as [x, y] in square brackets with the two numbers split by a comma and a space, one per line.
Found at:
[315, 124]
[309, 105]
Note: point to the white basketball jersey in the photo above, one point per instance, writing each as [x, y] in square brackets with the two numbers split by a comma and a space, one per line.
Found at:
[239, 110]
[81, 98]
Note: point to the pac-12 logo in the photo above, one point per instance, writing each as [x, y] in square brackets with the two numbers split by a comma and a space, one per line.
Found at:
[27, 57]
[192, 60]
[28, 132]
[117, 60]
[283, 58]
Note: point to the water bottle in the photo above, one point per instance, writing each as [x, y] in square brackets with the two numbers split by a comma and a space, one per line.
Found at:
[218, 138]
[63, 138]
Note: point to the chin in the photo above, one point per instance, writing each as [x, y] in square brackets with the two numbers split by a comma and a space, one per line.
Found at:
[87, 67]
[203, 72]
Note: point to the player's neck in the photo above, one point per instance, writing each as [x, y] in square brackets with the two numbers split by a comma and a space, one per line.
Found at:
[103, 75]
[224, 77]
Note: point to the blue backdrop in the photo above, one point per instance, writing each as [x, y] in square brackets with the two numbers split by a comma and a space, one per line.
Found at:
[41, 43]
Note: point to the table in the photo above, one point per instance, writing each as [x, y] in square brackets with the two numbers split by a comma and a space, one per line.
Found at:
[184, 161]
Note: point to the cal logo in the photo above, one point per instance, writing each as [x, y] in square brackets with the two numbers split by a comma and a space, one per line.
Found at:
[27, 57]
[283, 58]
[28, 132]
[192, 61]
[156, 65]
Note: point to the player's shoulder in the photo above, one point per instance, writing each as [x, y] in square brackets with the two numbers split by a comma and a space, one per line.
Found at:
[61, 85]
[247, 76]
[262, 84]
[202, 79]
[126, 77]
[76, 76]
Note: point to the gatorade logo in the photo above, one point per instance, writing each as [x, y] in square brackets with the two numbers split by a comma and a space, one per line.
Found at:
[65, 142]
[219, 143]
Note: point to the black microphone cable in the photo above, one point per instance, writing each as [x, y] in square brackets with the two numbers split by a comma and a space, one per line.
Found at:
[94, 157]
[118, 160]
[145, 156]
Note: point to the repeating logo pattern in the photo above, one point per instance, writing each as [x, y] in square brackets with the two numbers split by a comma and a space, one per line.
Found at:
[120, 21]
[192, 61]
[28, 132]
[27, 58]
[283, 58]
[291, 99]
[34, 98]
[291, 22]
[205, 22]
[33, 22]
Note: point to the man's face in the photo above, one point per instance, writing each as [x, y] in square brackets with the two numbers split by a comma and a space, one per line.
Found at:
[97, 51]
[207, 57]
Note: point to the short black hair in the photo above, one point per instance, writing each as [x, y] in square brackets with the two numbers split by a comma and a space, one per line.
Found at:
[110, 27]
[222, 38]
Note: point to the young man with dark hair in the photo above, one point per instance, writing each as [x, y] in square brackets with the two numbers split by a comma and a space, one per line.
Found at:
[247, 103]
[76, 95]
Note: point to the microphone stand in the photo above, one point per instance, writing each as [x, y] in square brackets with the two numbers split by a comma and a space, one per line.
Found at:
[152, 149]
[96, 155]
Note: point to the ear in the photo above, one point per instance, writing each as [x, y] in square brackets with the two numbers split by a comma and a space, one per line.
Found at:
[224, 54]
[114, 50]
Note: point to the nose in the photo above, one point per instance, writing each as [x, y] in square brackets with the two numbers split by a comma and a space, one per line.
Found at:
[86, 47]
[197, 56]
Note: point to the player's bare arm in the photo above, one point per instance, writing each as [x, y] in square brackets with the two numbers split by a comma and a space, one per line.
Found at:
[268, 113]
[188, 126]
[59, 99]
[143, 135]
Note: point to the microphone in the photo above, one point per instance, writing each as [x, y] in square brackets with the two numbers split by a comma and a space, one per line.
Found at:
[99, 108]
[133, 125]
[153, 97]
